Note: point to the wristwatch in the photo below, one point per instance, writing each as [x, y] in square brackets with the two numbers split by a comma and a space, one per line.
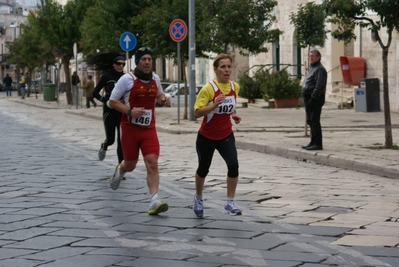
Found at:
[129, 112]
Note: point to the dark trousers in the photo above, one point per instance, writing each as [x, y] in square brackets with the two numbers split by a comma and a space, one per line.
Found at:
[90, 99]
[22, 89]
[112, 119]
[8, 90]
[313, 114]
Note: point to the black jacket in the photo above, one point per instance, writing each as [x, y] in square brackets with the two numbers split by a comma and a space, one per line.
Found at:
[7, 81]
[107, 81]
[315, 82]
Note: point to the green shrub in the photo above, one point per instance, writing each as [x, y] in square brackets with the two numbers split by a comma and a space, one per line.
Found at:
[249, 87]
[279, 85]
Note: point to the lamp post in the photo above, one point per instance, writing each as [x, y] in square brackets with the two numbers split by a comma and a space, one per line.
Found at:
[14, 25]
[75, 54]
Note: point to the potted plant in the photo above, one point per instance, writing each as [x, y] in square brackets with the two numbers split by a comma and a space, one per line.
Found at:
[249, 88]
[285, 91]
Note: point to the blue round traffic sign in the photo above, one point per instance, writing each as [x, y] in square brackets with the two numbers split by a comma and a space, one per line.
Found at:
[178, 30]
[127, 41]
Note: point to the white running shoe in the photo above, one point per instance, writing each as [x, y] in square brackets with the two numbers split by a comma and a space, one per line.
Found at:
[115, 180]
[157, 207]
[231, 208]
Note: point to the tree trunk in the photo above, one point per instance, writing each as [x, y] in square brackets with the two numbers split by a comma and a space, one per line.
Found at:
[387, 109]
[68, 92]
[27, 82]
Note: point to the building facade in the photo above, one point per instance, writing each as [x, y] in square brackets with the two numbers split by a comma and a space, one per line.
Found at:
[12, 16]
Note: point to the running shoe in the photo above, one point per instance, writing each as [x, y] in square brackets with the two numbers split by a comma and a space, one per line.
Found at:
[101, 154]
[115, 180]
[231, 208]
[157, 207]
[198, 207]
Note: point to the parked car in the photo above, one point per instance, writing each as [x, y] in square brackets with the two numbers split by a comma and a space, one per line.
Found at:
[172, 92]
[165, 85]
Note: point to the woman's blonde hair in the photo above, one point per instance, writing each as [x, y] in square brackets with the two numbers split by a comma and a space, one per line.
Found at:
[220, 57]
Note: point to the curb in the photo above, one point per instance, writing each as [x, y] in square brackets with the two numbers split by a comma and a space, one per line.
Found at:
[332, 160]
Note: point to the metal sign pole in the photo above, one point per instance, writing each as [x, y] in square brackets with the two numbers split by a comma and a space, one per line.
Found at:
[191, 48]
[128, 67]
[178, 82]
[178, 31]
[76, 86]
[75, 53]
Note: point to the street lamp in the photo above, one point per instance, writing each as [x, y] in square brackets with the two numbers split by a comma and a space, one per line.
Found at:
[14, 25]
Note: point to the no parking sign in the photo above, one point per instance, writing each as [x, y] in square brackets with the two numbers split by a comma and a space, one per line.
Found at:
[178, 30]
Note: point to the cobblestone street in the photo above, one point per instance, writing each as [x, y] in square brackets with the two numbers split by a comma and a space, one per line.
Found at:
[57, 210]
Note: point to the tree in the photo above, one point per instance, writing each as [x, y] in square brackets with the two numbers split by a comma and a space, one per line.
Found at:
[21, 50]
[309, 25]
[43, 49]
[60, 26]
[103, 32]
[349, 14]
[245, 24]
[152, 28]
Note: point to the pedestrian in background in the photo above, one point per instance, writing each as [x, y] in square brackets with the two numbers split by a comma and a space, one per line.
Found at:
[216, 103]
[110, 65]
[89, 87]
[7, 81]
[22, 85]
[138, 90]
[75, 78]
[314, 96]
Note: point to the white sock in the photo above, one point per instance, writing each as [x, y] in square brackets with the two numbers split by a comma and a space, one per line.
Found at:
[154, 197]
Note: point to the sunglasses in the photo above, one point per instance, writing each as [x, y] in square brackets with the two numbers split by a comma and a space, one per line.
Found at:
[120, 63]
[145, 48]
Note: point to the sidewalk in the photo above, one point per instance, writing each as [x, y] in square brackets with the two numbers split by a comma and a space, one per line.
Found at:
[352, 140]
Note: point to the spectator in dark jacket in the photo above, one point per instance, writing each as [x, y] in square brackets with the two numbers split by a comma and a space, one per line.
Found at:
[75, 78]
[7, 83]
[314, 96]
